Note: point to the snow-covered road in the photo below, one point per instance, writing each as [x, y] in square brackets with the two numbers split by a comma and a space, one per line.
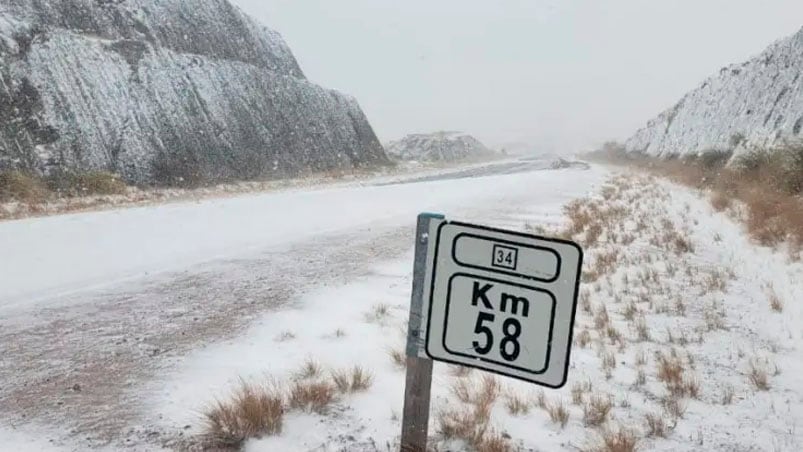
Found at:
[93, 306]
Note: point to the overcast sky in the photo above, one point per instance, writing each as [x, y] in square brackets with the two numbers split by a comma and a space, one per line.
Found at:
[561, 74]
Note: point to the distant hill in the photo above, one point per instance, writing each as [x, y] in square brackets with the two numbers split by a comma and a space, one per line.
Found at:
[162, 91]
[437, 146]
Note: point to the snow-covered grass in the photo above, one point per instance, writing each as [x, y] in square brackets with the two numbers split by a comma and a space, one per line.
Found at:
[678, 345]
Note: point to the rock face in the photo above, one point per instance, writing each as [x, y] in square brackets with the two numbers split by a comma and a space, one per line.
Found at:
[754, 105]
[438, 146]
[165, 90]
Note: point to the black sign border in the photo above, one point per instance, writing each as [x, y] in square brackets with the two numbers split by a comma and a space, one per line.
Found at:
[574, 301]
[501, 363]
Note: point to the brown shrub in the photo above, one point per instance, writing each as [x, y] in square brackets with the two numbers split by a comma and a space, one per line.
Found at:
[758, 376]
[768, 182]
[558, 412]
[516, 405]
[399, 357]
[311, 395]
[596, 410]
[352, 380]
[720, 202]
[24, 187]
[656, 426]
[775, 301]
[252, 411]
[619, 439]
[470, 424]
[310, 369]
[96, 183]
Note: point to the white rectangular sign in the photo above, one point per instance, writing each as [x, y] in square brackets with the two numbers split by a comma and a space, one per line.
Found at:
[501, 301]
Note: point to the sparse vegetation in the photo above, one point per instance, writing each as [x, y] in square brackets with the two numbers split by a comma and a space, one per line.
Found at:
[378, 314]
[558, 412]
[352, 380]
[596, 410]
[285, 336]
[310, 369]
[768, 182]
[313, 396]
[656, 426]
[20, 186]
[758, 375]
[399, 357]
[726, 397]
[252, 411]
[775, 301]
[516, 404]
[619, 439]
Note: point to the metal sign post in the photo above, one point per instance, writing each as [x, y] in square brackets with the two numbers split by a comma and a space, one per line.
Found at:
[415, 420]
[499, 301]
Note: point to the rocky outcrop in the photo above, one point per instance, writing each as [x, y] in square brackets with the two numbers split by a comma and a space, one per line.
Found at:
[754, 105]
[438, 146]
[164, 91]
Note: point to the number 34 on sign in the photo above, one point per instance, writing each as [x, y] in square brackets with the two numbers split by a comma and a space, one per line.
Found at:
[500, 301]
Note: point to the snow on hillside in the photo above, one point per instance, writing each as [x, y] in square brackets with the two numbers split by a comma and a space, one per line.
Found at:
[179, 92]
[758, 103]
[438, 146]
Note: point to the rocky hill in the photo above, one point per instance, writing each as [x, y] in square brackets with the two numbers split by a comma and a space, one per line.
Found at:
[754, 105]
[438, 146]
[164, 91]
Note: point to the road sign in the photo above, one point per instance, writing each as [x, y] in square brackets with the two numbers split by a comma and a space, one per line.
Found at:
[501, 301]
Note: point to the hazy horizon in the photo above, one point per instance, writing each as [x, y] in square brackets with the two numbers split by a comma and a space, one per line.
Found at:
[561, 75]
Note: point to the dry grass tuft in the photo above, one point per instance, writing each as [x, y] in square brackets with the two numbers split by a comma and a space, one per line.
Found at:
[558, 412]
[656, 426]
[583, 338]
[619, 439]
[467, 425]
[585, 301]
[579, 390]
[726, 398]
[540, 399]
[252, 411]
[378, 314]
[714, 317]
[310, 369]
[311, 395]
[482, 393]
[672, 372]
[758, 375]
[399, 357]
[775, 301]
[642, 331]
[675, 406]
[285, 336]
[352, 380]
[608, 363]
[20, 186]
[596, 410]
[641, 378]
[601, 318]
[516, 405]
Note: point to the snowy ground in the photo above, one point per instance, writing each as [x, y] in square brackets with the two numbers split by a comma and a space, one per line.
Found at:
[94, 305]
[330, 282]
